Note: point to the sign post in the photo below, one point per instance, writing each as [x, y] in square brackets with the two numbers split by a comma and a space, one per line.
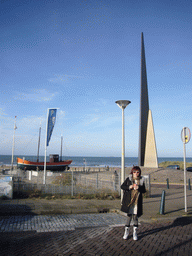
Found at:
[185, 137]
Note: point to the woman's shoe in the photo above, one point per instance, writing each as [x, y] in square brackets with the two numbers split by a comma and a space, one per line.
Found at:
[135, 233]
[126, 234]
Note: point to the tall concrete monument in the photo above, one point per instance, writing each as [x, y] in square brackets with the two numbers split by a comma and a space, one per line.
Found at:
[147, 156]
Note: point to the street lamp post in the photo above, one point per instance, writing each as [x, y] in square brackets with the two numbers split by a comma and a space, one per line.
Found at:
[123, 104]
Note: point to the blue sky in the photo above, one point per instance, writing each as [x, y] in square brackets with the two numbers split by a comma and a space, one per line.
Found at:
[81, 56]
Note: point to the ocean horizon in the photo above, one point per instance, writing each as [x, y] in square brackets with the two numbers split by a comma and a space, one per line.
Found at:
[90, 161]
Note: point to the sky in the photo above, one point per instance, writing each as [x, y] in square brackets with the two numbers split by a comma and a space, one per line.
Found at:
[83, 55]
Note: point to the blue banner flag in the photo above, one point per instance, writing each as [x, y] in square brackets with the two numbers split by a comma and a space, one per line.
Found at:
[50, 123]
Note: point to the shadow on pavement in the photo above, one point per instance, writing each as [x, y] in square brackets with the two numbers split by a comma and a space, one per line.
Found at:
[182, 221]
[16, 209]
[175, 247]
[155, 195]
[179, 222]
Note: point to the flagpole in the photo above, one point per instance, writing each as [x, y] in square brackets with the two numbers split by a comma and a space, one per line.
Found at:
[45, 159]
[13, 143]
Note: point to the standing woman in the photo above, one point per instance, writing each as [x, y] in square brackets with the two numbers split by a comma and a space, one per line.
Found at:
[132, 203]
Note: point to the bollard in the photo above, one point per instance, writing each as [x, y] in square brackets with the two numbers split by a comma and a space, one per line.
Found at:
[167, 183]
[189, 183]
[162, 205]
[97, 181]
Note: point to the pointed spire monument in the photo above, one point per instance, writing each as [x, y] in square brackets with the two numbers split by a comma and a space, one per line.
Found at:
[147, 156]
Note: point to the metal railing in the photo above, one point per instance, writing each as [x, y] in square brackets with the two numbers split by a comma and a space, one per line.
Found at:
[72, 183]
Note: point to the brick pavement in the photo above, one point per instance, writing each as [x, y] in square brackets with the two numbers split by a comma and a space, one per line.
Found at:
[49, 223]
[95, 234]
[168, 238]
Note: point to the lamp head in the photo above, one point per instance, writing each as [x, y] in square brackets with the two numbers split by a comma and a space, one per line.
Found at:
[122, 103]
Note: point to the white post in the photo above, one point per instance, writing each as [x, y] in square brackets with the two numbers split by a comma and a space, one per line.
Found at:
[185, 185]
[13, 146]
[123, 104]
[123, 154]
[45, 159]
[30, 174]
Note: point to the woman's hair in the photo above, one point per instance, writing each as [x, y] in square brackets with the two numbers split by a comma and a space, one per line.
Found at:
[136, 168]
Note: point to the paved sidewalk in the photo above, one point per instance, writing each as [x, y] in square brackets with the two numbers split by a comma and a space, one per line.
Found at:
[49, 223]
[174, 204]
[168, 238]
[47, 227]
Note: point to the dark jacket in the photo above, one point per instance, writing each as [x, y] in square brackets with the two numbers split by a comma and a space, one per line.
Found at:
[127, 195]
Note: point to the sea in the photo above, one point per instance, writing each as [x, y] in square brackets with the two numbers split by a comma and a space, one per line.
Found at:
[90, 161]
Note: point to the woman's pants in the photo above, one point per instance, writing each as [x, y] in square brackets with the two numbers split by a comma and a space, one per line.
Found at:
[132, 217]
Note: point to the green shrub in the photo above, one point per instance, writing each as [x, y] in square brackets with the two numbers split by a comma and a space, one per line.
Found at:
[35, 193]
[65, 179]
[20, 194]
[100, 195]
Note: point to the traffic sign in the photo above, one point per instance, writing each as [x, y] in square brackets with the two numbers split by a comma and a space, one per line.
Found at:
[185, 135]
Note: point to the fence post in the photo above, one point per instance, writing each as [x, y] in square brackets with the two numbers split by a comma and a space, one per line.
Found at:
[189, 182]
[167, 183]
[97, 180]
[162, 204]
[30, 175]
[149, 185]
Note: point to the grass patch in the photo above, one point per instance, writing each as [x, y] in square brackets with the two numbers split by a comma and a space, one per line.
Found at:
[146, 194]
[37, 194]
[180, 163]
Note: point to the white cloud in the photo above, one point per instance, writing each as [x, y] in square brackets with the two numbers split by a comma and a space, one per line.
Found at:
[6, 122]
[30, 123]
[106, 119]
[37, 95]
[62, 114]
[64, 78]
[102, 102]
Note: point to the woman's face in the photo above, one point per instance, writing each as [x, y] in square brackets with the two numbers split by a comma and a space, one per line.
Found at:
[136, 174]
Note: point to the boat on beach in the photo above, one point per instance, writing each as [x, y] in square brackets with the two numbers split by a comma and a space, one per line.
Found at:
[53, 165]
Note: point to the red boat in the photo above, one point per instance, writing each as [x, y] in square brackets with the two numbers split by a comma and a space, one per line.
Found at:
[54, 164]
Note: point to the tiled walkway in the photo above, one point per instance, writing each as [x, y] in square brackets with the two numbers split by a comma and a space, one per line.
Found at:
[51, 223]
[92, 235]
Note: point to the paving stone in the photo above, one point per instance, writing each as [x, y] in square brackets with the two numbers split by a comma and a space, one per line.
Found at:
[94, 234]
[59, 222]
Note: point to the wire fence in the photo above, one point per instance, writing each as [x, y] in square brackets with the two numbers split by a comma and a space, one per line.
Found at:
[72, 183]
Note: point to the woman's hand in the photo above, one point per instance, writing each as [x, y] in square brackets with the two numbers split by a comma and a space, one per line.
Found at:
[134, 186]
[131, 187]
